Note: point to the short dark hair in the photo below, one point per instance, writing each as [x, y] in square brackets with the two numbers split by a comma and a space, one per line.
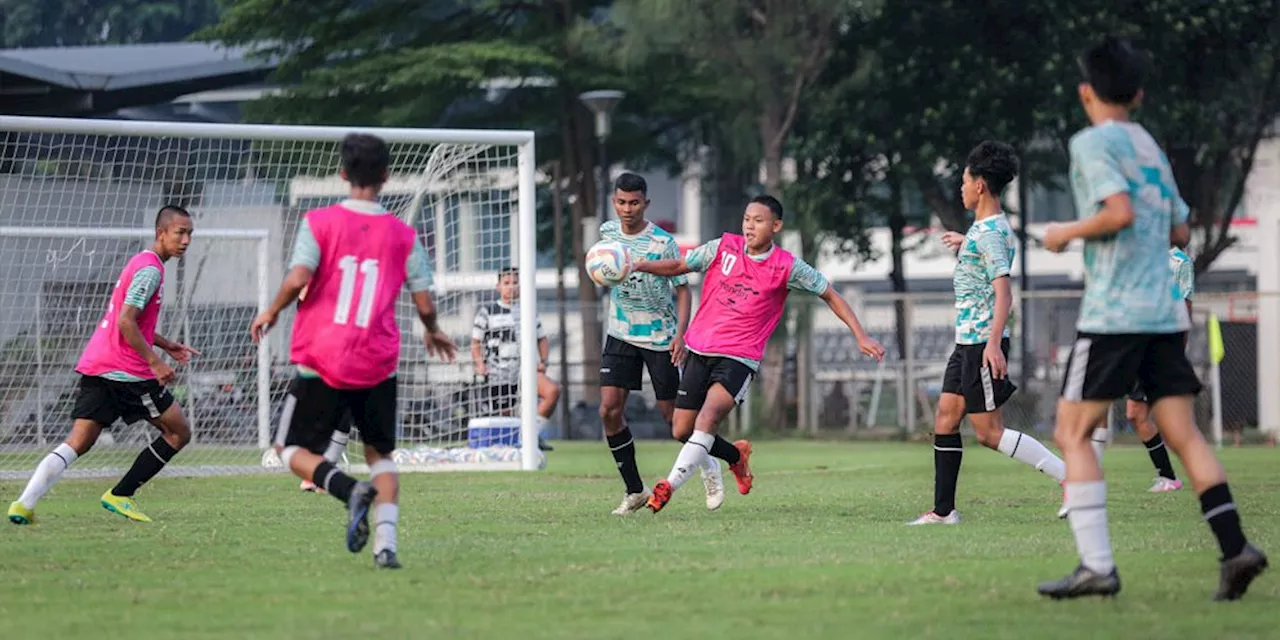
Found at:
[1114, 69]
[507, 271]
[630, 183]
[994, 162]
[167, 213]
[775, 207]
[365, 159]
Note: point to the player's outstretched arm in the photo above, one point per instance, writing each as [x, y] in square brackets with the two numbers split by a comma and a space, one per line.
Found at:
[438, 342]
[294, 282]
[684, 309]
[127, 322]
[176, 350]
[665, 268]
[1115, 215]
[839, 306]
[993, 356]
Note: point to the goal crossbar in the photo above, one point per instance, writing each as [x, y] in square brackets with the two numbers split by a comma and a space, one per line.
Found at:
[259, 131]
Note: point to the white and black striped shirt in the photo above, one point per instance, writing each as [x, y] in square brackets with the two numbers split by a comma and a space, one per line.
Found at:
[497, 327]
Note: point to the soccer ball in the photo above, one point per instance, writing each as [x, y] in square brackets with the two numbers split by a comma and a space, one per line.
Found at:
[608, 262]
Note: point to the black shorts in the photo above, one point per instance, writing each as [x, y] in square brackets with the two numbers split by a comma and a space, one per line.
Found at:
[701, 372]
[103, 400]
[622, 365]
[1137, 394]
[313, 411]
[1111, 366]
[966, 376]
[502, 397]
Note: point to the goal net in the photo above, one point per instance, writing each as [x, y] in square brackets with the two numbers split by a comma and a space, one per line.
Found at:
[78, 198]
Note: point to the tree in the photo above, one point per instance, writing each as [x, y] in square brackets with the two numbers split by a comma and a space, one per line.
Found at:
[68, 23]
[1213, 96]
[412, 63]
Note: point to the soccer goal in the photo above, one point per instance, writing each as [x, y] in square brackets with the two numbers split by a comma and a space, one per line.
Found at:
[78, 197]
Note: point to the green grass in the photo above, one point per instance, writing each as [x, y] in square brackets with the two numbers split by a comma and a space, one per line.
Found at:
[817, 550]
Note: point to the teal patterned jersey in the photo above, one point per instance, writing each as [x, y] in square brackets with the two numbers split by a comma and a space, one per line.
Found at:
[1184, 274]
[643, 309]
[1127, 275]
[986, 254]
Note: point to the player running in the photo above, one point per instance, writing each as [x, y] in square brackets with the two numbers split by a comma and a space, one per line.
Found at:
[121, 376]
[646, 330]
[353, 258]
[1137, 409]
[976, 382]
[744, 296]
[1130, 329]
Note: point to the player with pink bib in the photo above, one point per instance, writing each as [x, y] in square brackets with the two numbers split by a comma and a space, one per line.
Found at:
[352, 258]
[122, 377]
[744, 294]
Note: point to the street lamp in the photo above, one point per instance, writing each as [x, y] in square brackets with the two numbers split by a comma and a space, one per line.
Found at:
[601, 103]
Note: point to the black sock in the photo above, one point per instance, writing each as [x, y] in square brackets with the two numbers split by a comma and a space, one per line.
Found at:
[333, 480]
[1220, 512]
[623, 447]
[145, 467]
[1160, 457]
[948, 449]
[724, 450]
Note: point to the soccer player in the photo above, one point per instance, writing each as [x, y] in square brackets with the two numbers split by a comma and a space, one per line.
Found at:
[495, 353]
[1130, 329]
[976, 382]
[353, 258]
[1137, 409]
[121, 376]
[646, 330]
[744, 296]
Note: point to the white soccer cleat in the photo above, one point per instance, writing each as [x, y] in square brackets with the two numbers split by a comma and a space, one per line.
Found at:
[633, 502]
[1163, 484]
[933, 518]
[714, 482]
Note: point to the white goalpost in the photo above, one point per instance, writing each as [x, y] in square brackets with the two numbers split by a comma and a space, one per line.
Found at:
[77, 199]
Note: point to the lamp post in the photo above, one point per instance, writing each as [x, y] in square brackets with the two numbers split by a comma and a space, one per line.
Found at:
[601, 103]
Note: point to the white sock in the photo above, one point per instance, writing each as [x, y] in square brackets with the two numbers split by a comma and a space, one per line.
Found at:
[385, 518]
[1087, 502]
[710, 465]
[337, 446]
[47, 474]
[1099, 441]
[1029, 451]
[690, 458]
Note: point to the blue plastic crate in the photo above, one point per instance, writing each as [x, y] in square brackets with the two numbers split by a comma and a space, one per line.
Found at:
[493, 432]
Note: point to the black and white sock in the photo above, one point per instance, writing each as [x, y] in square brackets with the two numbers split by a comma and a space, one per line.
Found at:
[948, 450]
[333, 480]
[623, 448]
[145, 467]
[725, 450]
[337, 446]
[1220, 512]
[1160, 457]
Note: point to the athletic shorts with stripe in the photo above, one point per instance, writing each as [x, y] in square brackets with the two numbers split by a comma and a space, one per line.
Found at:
[700, 372]
[1107, 367]
[966, 376]
[313, 410]
[103, 401]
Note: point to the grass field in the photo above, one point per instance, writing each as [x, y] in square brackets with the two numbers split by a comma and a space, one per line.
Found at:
[817, 550]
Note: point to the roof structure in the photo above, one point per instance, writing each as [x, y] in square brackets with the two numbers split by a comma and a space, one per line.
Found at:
[99, 80]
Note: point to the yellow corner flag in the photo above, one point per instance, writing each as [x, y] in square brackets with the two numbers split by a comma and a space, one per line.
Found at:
[1216, 351]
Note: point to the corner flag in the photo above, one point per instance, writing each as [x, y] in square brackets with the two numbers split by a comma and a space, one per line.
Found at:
[1216, 350]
